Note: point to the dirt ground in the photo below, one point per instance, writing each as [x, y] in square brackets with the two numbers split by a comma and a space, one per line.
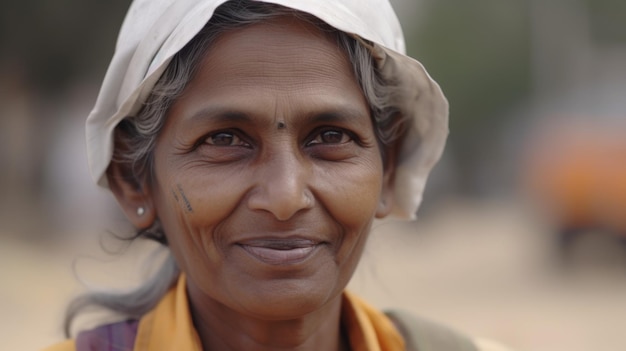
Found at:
[488, 269]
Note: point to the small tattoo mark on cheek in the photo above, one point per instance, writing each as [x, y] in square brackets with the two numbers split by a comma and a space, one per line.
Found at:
[280, 125]
[186, 202]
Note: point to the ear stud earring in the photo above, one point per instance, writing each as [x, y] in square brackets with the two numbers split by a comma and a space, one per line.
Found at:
[140, 211]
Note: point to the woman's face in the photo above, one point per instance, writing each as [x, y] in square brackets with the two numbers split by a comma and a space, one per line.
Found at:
[267, 173]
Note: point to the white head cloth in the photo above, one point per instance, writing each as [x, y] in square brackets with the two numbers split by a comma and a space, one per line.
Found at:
[155, 30]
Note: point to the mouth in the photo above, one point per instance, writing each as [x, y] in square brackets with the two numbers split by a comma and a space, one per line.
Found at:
[281, 251]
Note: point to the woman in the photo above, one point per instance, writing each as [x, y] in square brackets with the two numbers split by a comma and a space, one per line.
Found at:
[258, 141]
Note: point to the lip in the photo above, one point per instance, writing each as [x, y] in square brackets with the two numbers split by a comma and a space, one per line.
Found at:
[280, 251]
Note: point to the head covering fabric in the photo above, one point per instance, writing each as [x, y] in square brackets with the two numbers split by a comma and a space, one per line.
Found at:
[155, 30]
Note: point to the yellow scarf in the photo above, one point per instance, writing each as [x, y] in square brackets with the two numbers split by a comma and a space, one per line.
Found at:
[169, 325]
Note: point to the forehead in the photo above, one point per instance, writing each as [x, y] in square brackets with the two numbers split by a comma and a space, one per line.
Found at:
[284, 53]
[284, 68]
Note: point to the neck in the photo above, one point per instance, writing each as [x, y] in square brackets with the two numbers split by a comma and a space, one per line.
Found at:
[222, 328]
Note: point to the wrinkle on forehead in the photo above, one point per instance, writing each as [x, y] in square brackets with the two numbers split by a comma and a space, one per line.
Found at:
[241, 52]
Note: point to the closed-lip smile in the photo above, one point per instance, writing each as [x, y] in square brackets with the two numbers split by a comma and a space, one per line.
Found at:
[280, 251]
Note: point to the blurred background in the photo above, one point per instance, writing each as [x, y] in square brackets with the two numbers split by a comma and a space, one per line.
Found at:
[522, 234]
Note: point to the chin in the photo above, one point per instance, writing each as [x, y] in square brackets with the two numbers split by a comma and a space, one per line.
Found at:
[288, 300]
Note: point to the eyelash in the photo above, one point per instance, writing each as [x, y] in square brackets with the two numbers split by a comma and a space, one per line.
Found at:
[311, 141]
[320, 134]
[234, 133]
[226, 133]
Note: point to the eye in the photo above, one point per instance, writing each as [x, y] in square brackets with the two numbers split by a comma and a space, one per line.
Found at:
[331, 136]
[225, 139]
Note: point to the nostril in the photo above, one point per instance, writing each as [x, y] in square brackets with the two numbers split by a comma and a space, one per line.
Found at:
[282, 202]
[308, 199]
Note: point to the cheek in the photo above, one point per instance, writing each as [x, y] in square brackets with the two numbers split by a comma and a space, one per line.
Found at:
[190, 206]
[199, 202]
[353, 194]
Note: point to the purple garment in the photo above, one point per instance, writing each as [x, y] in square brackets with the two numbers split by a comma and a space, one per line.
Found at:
[110, 337]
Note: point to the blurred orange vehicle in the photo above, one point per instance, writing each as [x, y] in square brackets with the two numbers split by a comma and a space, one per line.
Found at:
[576, 172]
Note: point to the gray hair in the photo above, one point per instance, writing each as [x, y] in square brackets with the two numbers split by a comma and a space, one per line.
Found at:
[139, 133]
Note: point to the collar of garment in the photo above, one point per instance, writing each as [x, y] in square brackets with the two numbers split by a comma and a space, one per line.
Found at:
[169, 325]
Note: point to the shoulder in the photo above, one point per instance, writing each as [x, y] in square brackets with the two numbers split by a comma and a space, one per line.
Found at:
[118, 336]
[424, 335]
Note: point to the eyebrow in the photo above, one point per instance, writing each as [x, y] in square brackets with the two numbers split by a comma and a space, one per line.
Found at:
[340, 114]
[218, 114]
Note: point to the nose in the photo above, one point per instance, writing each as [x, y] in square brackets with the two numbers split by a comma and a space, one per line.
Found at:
[282, 187]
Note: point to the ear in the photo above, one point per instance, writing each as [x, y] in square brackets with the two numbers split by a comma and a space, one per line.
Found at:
[131, 194]
[387, 195]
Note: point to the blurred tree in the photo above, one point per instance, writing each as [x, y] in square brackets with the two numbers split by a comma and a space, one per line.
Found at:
[56, 41]
[608, 20]
[479, 52]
